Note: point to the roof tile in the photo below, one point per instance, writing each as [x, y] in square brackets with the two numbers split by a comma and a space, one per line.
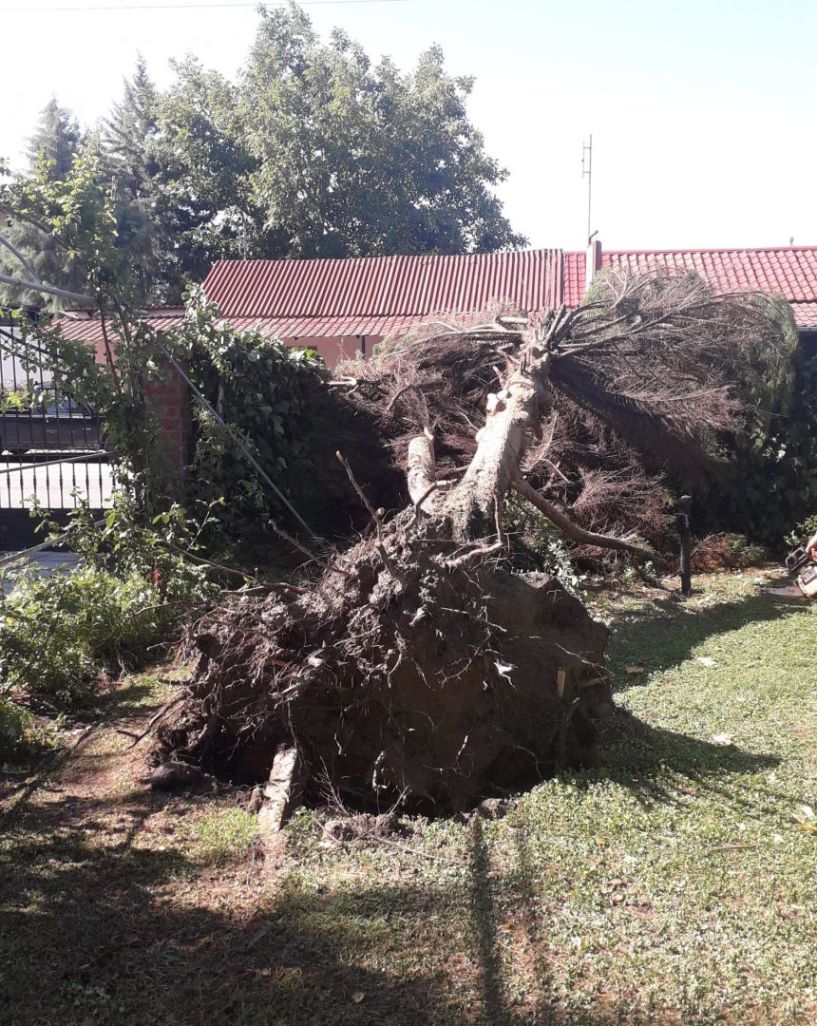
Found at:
[372, 296]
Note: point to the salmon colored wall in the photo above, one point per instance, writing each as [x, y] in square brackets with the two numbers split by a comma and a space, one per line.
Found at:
[332, 348]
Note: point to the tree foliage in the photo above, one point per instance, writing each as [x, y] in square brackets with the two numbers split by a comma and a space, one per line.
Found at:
[312, 151]
[276, 399]
[355, 159]
[772, 482]
[80, 213]
[56, 143]
[655, 381]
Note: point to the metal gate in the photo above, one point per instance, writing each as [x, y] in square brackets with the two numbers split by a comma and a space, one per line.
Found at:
[52, 451]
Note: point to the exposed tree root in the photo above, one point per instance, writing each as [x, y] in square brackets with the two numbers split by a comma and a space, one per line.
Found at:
[430, 687]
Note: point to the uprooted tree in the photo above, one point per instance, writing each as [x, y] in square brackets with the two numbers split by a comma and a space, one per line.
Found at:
[421, 667]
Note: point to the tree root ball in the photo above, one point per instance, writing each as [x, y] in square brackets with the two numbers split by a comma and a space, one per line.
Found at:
[407, 676]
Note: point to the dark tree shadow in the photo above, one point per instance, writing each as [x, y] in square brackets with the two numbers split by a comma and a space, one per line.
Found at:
[493, 976]
[640, 757]
[666, 634]
[542, 1006]
[116, 935]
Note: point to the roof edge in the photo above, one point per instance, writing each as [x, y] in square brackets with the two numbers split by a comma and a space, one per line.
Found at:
[713, 249]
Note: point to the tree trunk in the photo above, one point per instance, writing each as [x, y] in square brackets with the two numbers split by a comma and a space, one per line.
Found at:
[511, 416]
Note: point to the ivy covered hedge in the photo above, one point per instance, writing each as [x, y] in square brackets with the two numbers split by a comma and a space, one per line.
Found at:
[770, 483]
[277, 399]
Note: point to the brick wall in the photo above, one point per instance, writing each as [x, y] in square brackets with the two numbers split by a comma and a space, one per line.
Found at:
[170, 397]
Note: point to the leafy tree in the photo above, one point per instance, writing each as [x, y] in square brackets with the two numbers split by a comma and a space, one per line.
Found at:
[181, 174]
[772, 486]
[80, 212]
[56, 140]
[312, 152]
[52, 150]
[128, 146]
[356, 160]
[130, 128]
[202, 193]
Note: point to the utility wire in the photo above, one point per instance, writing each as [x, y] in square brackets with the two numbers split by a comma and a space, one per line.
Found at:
[184, 7]
[234, 435]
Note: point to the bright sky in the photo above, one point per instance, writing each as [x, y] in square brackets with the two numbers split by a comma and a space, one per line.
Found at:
[702, 111]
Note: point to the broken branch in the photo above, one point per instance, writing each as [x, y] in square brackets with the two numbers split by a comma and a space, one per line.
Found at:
[573, 530]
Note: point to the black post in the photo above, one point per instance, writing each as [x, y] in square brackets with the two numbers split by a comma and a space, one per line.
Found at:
[682, 524]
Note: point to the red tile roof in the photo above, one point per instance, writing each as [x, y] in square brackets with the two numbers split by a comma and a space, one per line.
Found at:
[789, 271]
[372, 296]
[88, 329]
[365, 295]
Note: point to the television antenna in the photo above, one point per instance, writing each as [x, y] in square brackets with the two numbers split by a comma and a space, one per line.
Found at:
[587, 172]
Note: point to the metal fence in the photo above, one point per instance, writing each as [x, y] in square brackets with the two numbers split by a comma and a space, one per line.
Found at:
[52, 447]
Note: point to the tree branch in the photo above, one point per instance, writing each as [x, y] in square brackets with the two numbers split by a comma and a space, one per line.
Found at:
[16, 253]
[571, 529]
[421, 470]
[50, 290]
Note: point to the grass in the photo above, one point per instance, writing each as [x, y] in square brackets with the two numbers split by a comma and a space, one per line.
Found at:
[675, 881]
[223, 835]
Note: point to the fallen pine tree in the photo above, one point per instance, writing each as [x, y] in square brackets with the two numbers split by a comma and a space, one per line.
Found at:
[421, 668]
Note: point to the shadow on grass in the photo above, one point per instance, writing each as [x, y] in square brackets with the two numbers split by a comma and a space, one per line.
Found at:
[493, 979]
[503, 1002]
[123, 702]
[666, 634]
[640, 757]
[133, 698]
[133, 935]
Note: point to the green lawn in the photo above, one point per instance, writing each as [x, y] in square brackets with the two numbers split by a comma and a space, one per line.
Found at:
[673, 882]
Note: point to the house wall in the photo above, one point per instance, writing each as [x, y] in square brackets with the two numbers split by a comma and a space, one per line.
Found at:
[334, 348]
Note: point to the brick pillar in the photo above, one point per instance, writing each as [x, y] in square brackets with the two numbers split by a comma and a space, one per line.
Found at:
[170, 398]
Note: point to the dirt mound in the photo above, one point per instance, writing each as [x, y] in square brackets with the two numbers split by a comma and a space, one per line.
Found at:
[404, 677]
[362, 828]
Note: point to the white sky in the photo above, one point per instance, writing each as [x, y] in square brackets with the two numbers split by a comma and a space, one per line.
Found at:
[702, 112]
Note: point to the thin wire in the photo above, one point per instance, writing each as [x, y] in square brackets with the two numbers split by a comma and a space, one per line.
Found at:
[234, 435]
[184, 7]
